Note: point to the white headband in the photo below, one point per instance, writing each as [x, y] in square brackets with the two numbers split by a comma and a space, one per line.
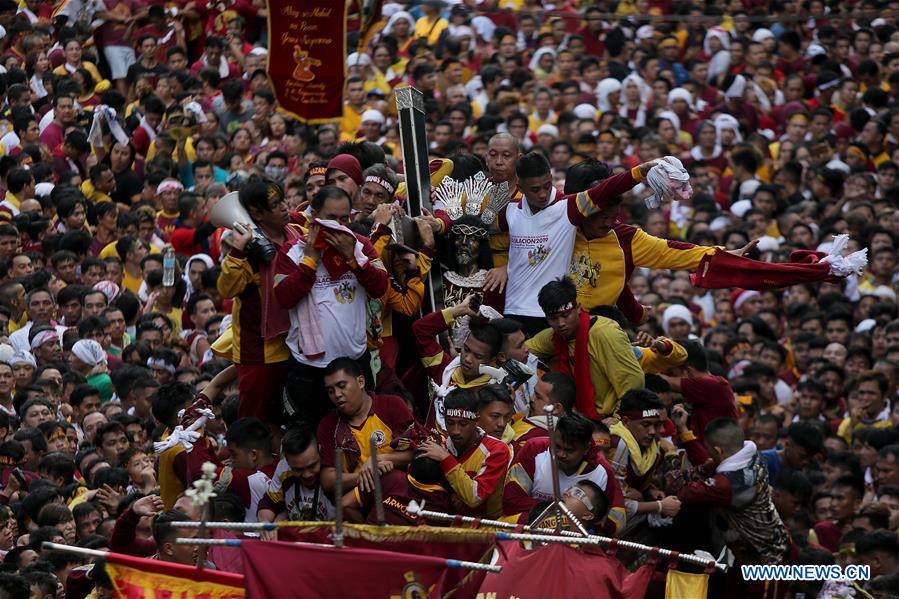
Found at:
[89, 351]
[459, 413]
[382, 182]
[162, 364]
[44, 337]
[169, 185]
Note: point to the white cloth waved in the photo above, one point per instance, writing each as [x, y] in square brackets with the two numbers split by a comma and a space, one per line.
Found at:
[185, 437]
[843, 266]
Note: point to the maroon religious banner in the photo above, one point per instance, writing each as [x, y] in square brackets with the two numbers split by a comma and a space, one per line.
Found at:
[306, 57]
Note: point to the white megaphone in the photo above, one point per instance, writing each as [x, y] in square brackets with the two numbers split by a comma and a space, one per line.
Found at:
[229, 213]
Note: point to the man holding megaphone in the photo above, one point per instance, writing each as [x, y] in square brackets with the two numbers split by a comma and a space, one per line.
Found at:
[259, 219]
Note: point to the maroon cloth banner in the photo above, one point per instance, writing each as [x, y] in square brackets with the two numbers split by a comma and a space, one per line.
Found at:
[561, 571]
[721, 270]
[278, 569]
[306, 53]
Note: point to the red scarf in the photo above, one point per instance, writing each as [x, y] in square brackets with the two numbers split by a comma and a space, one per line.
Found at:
[722, 269]
[586, 394]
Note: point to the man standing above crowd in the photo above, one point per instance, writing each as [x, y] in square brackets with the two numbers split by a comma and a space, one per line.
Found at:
[259, 323]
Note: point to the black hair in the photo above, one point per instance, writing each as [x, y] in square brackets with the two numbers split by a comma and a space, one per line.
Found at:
[491, 393]
[297, 439]
[326, 193]
[250, 433]
[171, 398]
[532, 165]
[426, 471]
[574, 428]
[58, 464]
[461, 399]
[347, 365]
[849, 481]
[489, 334]
[563, 391]
[556, 294]
[163, 531]
[584, 175]
[795, 483]
[639, 400]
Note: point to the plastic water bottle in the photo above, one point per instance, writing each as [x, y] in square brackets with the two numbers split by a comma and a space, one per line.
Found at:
[168, 268]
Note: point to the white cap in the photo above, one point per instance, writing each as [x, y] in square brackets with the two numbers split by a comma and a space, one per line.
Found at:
[838, 165]
[358, 59]
[740, 208]
[865, 325]
[762, 34]
[43, 189]
[373, 115]
[747, 188]
[548, 129]
[768, 244]
[257, 51]
[645, 32]
[389, 9]
[585, 111]
[814, 50]
[6, 352]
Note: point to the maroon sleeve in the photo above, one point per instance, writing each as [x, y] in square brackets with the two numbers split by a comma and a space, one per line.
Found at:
[696, 452]
[628, 304]
[124, 537]
[325, 436]
[425, 331]
[395, 413]
[516, 499]
[715, 491]
[293, 282]
[372, 276]
[699, 389]
[600, 194]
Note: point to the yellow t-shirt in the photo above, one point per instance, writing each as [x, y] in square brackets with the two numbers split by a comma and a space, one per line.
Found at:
[430, 29]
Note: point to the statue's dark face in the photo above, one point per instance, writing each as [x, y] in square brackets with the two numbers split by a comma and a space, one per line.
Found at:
[467, 248]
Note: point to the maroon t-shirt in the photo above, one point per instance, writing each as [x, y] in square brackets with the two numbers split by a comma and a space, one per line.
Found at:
[711, 397]
[397, 491]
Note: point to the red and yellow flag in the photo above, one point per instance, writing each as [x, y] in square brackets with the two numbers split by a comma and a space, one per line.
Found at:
[141, 578]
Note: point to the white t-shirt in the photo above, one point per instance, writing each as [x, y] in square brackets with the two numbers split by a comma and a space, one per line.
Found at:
[342, 314]
[540, 248]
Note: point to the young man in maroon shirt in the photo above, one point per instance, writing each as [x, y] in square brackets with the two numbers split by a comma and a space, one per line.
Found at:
[710, 395]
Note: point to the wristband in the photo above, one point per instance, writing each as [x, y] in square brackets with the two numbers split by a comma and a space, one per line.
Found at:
[660, 507]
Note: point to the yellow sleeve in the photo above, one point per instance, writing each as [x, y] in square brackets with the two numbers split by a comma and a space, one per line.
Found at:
[652, 362]
[614, 353]
[236, 275]
[424, 263]
[408, 302]
[653, 252]
[499, 246]
[541, 344]
[464, 486]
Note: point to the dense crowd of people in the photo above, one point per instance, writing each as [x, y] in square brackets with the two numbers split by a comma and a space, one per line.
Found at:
[541, 280]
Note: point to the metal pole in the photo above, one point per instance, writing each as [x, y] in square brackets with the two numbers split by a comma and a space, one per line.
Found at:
[565, 536]
[202, 533]
[511, 536]
[376, 473]
[72, 549]
[450, 563]
[557, 493]
[338, 498]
